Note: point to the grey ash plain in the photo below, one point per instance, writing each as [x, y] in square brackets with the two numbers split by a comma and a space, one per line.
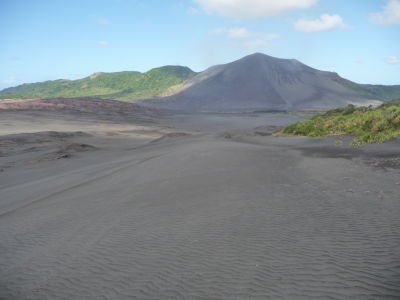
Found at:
[193, 206]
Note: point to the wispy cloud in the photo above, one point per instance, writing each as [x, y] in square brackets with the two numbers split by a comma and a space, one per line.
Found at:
[9, 80]
[103, 43]
[390, 13]
[324, 22]
[237, 32]
[243, 32]
[252, 8]
[250, 44]
[393, 60]
[103, 21]
[245, 38]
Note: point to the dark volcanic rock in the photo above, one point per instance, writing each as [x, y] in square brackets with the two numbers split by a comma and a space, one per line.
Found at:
[86, 105]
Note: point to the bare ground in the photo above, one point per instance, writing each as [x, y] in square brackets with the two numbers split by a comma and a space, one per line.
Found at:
[137, 209]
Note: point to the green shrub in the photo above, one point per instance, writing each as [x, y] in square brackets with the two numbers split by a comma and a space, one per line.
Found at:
[368, 125]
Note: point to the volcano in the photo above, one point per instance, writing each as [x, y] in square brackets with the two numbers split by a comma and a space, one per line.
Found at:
[259, 82]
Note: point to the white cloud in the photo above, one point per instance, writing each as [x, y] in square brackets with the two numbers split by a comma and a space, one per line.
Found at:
[103, 43]
[393, 60]
[103, 21]
[242, 32]
[252, 8]
[9, 80]
[390, 13]
[253, 44]
[246, 38]
[238, 33]
[234, 33]
[325, 22]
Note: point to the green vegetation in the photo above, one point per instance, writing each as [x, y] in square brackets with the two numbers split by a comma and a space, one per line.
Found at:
[120, 85]
[369, 125]
[379, 92]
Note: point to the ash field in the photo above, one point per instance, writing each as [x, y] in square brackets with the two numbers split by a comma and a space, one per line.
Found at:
[108, 202]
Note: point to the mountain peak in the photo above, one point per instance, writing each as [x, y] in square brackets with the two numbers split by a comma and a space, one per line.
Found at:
[265, 57]
[258, 55]
[260, 82]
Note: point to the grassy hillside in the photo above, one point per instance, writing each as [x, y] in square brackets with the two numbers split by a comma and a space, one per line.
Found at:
[369, 125]
[120, 85]
[370, 91]
[379, 92]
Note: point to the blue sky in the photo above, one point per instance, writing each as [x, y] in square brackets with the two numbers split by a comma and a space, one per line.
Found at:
[51, 39]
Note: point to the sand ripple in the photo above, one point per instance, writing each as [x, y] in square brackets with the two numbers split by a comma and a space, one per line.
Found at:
[209, 219]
